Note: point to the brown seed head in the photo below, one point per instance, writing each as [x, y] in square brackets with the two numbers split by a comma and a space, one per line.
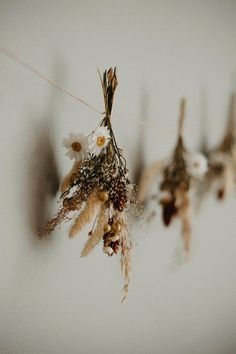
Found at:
[101, 141]
[76, 146]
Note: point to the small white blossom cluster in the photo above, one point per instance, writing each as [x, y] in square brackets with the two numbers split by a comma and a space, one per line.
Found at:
[197, 164]
[79, 146]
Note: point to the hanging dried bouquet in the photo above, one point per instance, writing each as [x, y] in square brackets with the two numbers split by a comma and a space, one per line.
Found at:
[98, 189]
[177, 178]
[221, 175]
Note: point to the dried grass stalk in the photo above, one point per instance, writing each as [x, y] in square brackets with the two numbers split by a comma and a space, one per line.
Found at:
[97, 233]
[126, 247]
[185, 218]
[147, 179]
[51, 224]
[92, 204]
[67, 181]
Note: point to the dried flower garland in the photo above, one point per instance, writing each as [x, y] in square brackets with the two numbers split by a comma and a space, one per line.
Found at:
[178, 176]
[221, 175]
[98, 187]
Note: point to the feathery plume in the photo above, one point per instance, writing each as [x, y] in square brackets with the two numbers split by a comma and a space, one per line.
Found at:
[96, 234]
[86, 215]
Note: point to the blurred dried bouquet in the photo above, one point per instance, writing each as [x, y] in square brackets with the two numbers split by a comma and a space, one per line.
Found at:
[98, 188]
[177, 179]
[221, 176]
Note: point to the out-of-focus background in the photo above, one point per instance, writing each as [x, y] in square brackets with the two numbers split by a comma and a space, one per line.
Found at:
[51, 300]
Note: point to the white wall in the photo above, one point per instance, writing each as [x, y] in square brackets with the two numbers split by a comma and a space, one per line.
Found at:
[51, 300]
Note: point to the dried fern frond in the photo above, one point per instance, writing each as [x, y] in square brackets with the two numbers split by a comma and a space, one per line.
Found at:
[69, 206]
[98, 232]
[91, 205]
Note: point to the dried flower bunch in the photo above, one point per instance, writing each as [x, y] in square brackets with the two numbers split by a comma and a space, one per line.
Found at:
[178, 175]
[98, 187]
[222, 159]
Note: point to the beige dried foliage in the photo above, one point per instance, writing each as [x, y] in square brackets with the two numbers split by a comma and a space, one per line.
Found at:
[97, 233]
[147, 179]
[126, 247]
[66, 183]
[185, 218]
[90, 208]
[228, 179]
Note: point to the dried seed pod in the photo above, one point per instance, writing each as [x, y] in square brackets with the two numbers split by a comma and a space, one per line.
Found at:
[103, 196]
[107, 228]
[115, 228]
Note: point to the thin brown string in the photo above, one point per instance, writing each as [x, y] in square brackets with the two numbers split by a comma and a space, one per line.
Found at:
[29, 67]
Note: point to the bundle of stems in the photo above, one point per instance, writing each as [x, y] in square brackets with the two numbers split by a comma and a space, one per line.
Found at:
[98, 189]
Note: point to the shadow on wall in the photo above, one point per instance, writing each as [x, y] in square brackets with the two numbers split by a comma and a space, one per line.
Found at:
[43, 175]
[139, 157]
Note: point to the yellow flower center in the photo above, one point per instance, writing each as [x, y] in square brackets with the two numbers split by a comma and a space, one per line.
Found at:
[101, 141]
[76, 146]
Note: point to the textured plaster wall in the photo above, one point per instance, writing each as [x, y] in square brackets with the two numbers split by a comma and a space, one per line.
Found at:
[51, 300]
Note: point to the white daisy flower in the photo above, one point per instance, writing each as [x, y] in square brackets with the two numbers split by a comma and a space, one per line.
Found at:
[98, 140]
[76, 145]
[197, 164]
